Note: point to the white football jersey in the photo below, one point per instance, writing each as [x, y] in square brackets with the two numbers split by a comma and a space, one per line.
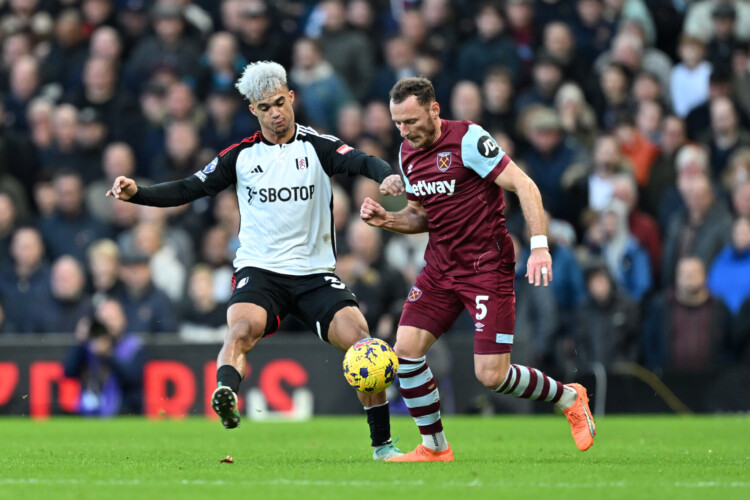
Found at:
[285, 198]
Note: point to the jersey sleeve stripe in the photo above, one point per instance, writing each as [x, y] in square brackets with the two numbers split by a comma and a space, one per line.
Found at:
[495, 172]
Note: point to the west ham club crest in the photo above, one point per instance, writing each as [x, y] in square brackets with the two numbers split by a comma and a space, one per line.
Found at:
[414, 293]
[444, 160]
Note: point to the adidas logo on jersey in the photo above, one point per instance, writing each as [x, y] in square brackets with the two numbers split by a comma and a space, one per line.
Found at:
[257, 170]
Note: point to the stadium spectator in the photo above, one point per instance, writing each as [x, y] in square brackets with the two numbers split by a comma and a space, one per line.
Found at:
[699, 19]
[649, 116]
[220, 64]
[147, 309]
[106, 43]
[377, 122]
[546, 79]
[71, 229]
[400, 61]
[607, 326]
[663, 173]
[16, 45]
[167, 271]
[225, 123]
[103, 259]
[25, 280]
[559, 44]
[631, 52]
[523, 32]
[258, 38]
[215, 251]
[23, 87]
[109, 362]
[8, 224]
[203, 318]
[741, 199]
[490, 47]
[91, 136]
[321, 90]
[723, 40]
[577, 118]
[168, 46]
[689, 79]
[701, 229]
[67, 53]
[466, 102]
[687, 329]
[548, 158]
[537, 316]
[613, 94]
[727, 277]
[349, 51]
[637, 149]
[18, 165]
[181, 152]
[499, 113]
[625, 258]
[738, 169]
[69, 302]
[592, 32]
[102, 91]
[118, 158]
[642, 226]
[726, 136]
[349, 126]
[741, 76]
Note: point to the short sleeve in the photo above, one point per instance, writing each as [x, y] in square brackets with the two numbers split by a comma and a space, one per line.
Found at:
[482, 154]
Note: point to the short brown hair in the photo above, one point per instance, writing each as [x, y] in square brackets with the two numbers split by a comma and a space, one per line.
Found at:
[419, 87]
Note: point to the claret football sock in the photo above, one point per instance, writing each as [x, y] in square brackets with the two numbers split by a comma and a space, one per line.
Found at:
[228, 376]
[529, 383]
[421, 396]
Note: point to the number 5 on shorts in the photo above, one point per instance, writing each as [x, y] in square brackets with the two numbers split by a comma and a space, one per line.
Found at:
[481, 308]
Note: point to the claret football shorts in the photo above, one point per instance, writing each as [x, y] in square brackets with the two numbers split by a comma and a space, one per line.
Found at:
[434, 304]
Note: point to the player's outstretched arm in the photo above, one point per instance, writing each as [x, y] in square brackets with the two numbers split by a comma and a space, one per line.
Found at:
[123, 188]
[410, 220]
[539, 267]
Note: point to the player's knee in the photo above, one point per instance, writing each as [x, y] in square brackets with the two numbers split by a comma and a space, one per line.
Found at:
[490, 376]
[247, 330]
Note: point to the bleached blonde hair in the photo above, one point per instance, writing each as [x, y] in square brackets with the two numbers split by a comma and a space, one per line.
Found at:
[261, 79]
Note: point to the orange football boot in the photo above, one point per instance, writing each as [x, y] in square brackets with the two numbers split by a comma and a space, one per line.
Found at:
[579, 417]
[424, 454]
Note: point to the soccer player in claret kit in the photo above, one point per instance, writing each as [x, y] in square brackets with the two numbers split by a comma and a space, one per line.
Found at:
[453, 173]
[287, 248]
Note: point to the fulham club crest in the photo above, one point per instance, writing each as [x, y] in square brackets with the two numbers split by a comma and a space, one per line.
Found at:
[302, 164]
[444, 160]
[414, 294]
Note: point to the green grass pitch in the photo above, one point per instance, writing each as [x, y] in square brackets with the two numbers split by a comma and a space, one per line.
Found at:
[500, 457]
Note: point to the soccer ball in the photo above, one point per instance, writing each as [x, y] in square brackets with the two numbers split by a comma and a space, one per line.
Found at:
[370, 365]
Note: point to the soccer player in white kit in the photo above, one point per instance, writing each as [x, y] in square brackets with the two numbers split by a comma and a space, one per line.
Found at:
[287, 251]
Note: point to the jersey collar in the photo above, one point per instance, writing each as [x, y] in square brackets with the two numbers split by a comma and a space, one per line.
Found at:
[292, 139]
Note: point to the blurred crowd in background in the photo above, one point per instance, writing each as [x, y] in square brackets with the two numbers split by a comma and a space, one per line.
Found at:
[632, 116]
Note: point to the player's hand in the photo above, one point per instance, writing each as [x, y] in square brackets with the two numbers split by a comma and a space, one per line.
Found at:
[539, 267]
[372, 213]
[123, 188]
[392, 185]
